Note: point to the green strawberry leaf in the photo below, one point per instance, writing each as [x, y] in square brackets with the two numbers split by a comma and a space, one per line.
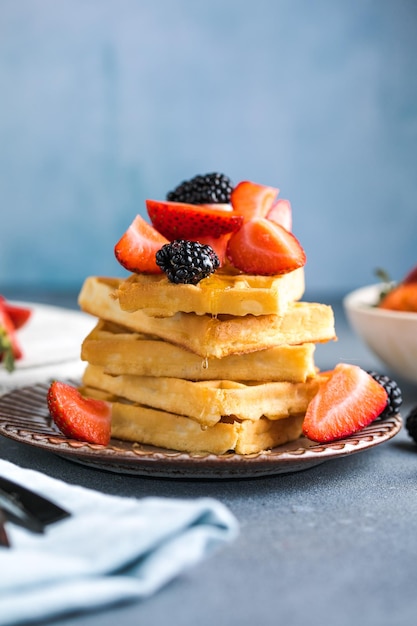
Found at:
[6, 350]
[385, 279]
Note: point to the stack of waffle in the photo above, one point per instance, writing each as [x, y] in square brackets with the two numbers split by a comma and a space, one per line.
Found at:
[224, 365]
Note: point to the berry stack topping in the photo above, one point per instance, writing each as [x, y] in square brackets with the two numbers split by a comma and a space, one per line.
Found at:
[395, 398]
[203, 189]
[187, 261]
[411, 423]
[247, 227]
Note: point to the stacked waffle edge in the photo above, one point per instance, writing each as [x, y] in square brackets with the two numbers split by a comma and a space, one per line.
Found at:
[223, 366]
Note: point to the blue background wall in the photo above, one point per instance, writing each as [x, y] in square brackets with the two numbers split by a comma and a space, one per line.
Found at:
[105, 103]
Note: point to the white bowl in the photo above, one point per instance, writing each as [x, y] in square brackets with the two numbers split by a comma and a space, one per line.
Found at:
[390, 335]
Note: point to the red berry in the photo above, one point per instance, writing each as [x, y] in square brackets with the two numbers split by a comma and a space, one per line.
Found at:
[77, 417]
[219, 245]
[265, 248]
[281, 213]
[252, 199]
[136, 249]
[403, 297]
[347, 402]
[411, 276]
[10, 348]
[177, 220]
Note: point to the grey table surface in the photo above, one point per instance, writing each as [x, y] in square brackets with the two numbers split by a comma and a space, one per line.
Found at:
[335, 544]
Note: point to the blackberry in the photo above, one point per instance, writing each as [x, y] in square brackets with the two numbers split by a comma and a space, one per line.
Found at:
[411, 423]
[187, 261]
[208, 189]
[395, 399]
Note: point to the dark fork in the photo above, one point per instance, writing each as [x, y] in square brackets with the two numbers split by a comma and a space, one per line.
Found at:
[26, 508]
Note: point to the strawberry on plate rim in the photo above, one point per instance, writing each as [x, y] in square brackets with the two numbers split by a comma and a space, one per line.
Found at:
[348, 401]
[79, 417]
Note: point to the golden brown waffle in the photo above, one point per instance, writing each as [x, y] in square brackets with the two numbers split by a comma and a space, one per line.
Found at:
[208, 336]
[220, 293]
[132, 422]
[121, 351]
[208, 401]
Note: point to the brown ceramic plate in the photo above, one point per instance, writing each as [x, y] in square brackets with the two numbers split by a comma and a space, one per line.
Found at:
[24, 417]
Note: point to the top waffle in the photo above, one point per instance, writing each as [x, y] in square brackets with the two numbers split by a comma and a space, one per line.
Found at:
[224, 292]
[208, 336]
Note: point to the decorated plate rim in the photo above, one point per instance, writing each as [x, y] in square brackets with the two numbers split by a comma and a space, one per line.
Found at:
[24, 417]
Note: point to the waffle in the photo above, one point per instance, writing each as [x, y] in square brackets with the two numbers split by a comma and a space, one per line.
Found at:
[120, 351]
[207, 402]
[220, 293]
[132, 422]
[210, 336]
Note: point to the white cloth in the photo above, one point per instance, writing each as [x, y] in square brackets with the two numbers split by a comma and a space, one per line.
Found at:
[110, 549]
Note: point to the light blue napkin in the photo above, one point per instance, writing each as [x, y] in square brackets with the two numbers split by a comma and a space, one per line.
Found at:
[111, 549]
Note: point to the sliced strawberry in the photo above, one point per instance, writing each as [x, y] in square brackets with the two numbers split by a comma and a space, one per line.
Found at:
[219, 245]
[411, 276]
[77, 417]
[281, 213]
[19, 315]
[137, 248]
[265, 248]
[347, 402]
[10, 349]
[252, 200]
[403, 297]
[177, 220]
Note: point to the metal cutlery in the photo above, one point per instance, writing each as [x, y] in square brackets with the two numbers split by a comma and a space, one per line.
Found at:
[26, 508]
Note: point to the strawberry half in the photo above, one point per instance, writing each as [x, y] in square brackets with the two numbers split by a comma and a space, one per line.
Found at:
[10, 349]
[281, 213]
[265, 248]
[403, 297]
[252, 199]
[219, 245]
[136, 249]
[411, 276]
[347, 402]
[177, 220]
[19, 315]
[85, 419]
